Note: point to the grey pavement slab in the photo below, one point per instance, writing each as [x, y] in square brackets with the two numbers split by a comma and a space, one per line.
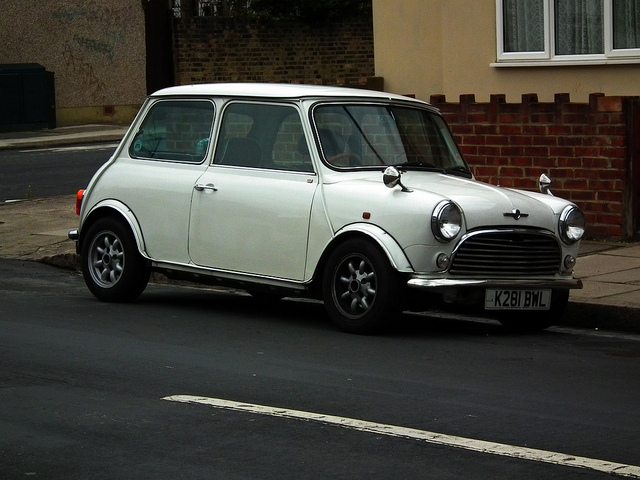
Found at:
[603, 263]
[62, 136]
[633, 252]
[36, 229]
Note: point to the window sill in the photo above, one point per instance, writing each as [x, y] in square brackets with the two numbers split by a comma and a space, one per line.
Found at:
[565, 62]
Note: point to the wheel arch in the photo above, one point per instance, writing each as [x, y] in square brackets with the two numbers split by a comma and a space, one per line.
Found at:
[115, 209]
[378, 236]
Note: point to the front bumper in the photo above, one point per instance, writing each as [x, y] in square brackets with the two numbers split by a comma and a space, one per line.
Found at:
[423, 282]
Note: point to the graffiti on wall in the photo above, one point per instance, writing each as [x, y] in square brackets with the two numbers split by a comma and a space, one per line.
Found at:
[94, 46]
[85, 73]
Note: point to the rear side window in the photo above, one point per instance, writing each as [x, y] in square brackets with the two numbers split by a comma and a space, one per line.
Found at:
[175, 130]
[267, 136]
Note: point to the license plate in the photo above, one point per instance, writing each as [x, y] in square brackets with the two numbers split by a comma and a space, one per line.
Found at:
[496, 299]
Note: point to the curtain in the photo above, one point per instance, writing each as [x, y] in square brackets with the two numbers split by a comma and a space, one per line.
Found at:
[523, 25]
[626, 24]
[579, 27]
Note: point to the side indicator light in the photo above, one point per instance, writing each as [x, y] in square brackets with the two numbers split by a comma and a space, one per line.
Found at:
[366, 215]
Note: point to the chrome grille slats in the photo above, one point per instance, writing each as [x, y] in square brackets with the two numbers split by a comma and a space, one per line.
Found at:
[507, 253]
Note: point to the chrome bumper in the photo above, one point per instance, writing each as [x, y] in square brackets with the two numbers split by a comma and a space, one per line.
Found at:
[444, 283]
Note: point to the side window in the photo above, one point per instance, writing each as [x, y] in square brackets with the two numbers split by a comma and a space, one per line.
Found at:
[263, 136]
[290, 151]
[177, 130]
[335, 130]
[237, 145]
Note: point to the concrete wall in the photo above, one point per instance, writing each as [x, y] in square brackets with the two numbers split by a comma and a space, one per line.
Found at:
[96, 50]
[427, 47]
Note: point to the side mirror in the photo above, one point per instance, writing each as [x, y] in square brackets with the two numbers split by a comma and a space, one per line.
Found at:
[544, 184]
[391, 178]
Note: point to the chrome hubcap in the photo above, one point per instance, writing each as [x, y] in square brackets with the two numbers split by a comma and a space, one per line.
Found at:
[106, 262]
[355, 287]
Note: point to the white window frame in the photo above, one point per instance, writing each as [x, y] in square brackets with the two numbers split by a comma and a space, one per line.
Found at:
[548, 57]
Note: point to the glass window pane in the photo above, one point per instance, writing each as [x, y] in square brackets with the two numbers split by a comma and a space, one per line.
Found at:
[371, 135]
[263, 136]
[175, 130]
[626, 24]
[290, 151]
[523, 25]
[579, 27]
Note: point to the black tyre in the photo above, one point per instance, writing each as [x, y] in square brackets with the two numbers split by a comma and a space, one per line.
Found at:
[361, 290]
[112, 267]
[533, 321]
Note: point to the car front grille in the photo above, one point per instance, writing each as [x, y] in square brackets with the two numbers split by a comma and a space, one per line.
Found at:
[507, 254]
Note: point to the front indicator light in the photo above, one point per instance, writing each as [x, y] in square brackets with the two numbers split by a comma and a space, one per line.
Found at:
[569, 262]
[443, 261]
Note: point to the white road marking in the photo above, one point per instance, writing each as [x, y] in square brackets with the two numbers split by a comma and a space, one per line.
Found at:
[611, 468]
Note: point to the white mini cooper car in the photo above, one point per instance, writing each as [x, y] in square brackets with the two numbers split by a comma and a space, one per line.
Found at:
[355, 197]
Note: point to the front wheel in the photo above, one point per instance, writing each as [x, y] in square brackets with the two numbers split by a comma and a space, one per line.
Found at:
[361, 290]
[112, 267]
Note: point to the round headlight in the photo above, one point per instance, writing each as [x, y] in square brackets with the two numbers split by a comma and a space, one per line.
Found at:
[572, 224]
[446, 221]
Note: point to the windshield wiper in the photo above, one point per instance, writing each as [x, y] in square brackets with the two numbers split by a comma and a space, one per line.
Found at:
[459, 170]
[421, 166]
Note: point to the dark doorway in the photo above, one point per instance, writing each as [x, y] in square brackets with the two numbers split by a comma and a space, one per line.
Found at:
[158, 21]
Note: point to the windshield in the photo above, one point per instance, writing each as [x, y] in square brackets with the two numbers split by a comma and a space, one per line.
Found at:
[382, 135]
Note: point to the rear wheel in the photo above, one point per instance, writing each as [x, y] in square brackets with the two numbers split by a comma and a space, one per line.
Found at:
[112, 267]
[361, 290]
[533, 321]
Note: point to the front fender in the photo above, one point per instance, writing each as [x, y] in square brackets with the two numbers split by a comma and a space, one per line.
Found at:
[111, 207]
[394, 252]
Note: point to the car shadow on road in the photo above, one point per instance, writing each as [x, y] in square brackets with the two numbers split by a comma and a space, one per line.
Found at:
[300, 313]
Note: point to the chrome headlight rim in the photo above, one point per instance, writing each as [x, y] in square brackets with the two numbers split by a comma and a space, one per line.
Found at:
[446, 221]
[571, 225]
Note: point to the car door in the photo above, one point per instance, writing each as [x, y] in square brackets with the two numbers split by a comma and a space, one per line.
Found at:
[250, 209]
[154, 175]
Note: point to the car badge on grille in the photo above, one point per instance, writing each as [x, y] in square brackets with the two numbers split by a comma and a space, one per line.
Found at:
[516, 214]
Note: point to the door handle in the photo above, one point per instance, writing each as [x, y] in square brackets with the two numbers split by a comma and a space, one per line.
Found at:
[209, 186]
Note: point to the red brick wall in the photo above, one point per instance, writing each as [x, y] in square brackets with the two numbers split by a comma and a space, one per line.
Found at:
[216, 49]
[581, 146]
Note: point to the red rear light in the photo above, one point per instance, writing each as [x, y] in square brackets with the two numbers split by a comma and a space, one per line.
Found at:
[79, 198]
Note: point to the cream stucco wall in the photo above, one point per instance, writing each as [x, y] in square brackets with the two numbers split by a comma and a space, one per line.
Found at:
[427, 47]
[408, 45]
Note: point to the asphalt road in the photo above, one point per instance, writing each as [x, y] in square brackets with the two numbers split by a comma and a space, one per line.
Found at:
[84, 390]
[49, 172]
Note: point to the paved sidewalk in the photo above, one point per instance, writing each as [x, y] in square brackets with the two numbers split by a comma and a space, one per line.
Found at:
[37, 230]
[62, 136]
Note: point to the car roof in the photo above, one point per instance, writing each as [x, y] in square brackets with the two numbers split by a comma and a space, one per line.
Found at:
[278, 90]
